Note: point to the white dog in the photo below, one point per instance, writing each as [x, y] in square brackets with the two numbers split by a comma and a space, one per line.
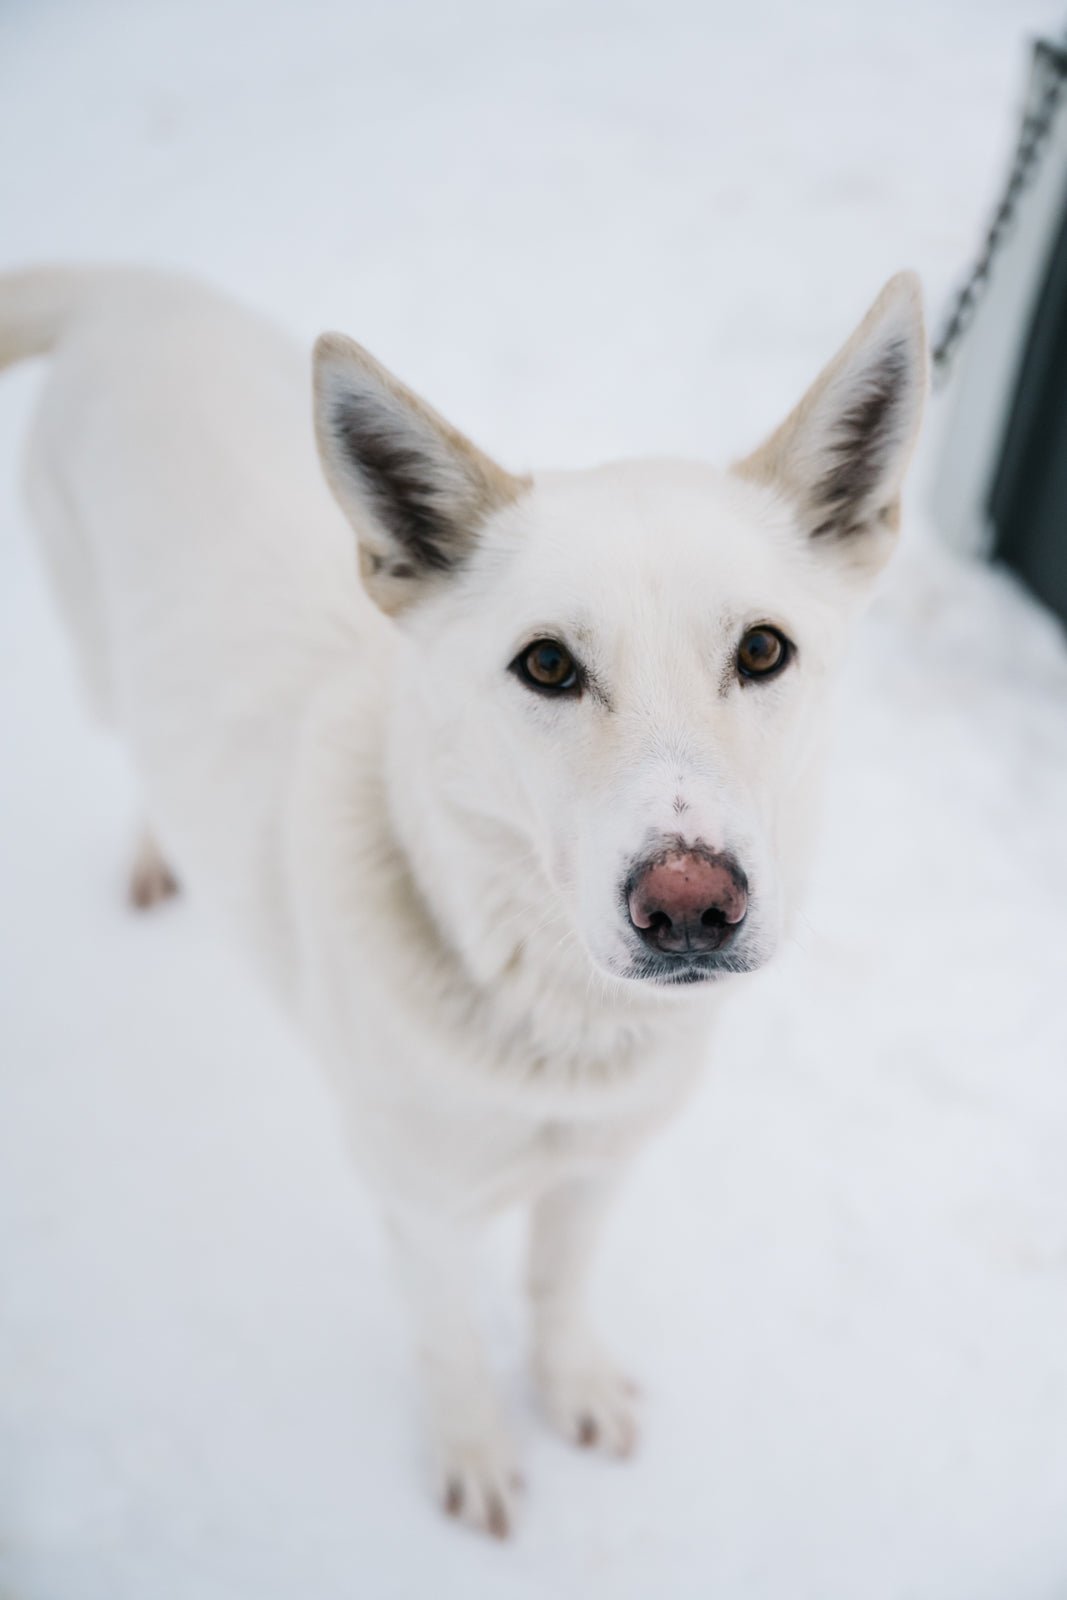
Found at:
[496, 821]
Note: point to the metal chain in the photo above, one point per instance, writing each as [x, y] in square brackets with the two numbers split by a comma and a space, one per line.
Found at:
[1051, 64]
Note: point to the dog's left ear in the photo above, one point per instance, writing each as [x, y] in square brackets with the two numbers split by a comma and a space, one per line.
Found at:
[414, 489]
[841, 454]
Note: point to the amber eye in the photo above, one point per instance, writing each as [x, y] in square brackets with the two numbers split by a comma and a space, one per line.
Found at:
[548, 666]
[762, 652]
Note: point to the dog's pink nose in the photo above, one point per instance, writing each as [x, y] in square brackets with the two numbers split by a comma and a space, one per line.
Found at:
[688, 901]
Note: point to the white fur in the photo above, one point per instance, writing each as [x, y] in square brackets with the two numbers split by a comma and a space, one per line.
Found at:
[424, 857]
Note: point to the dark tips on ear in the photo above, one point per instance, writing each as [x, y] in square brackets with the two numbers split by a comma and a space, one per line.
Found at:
[841, 454]
[416, 491]
[398, 483]
[861, 446]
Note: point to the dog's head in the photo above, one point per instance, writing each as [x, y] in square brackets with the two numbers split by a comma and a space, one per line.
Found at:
[613, 682]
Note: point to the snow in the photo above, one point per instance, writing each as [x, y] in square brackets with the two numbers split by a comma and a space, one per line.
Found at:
[583, 230]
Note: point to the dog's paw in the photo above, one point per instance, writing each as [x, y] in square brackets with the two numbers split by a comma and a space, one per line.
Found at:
[151, 879]
[588, 1400]
[479, 1483]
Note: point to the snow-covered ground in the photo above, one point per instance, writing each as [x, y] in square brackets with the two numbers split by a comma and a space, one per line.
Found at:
[583, 229]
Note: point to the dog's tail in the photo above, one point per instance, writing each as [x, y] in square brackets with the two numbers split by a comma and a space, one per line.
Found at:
[36, 305]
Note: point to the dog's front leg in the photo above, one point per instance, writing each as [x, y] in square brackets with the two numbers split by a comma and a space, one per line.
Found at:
[474, 1463]
[586, 1396]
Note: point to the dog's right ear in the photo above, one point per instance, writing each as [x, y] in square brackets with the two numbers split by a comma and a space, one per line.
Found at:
[414, 489]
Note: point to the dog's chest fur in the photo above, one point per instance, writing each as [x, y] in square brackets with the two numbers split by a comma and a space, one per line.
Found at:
[487, 1092]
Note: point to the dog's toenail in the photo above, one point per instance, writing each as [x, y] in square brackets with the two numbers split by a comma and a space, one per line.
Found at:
[498, 1518]
[454, 1497]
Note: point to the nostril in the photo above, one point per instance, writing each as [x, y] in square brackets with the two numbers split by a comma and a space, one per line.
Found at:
[659, 922]
[714, 917]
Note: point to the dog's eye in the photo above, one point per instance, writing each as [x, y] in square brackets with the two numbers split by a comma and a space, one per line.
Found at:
[548, 666]
[762, 652]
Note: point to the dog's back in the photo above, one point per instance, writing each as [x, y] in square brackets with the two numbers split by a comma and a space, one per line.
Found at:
[206, 577]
